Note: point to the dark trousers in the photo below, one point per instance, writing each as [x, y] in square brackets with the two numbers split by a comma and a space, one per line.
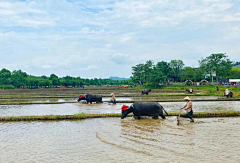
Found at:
[189, 114]
[114, 101]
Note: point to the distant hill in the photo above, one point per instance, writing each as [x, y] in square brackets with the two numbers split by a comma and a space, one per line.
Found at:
[117, 78]
[237, 66]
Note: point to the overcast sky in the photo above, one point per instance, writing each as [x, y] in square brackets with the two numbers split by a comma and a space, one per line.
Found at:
[103, 38]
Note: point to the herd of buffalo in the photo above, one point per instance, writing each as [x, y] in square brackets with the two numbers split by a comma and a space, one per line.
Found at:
[153, 109]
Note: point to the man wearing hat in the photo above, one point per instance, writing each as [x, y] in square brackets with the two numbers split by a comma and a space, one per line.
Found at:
[113, 99]
[188, 108]
[226, 92]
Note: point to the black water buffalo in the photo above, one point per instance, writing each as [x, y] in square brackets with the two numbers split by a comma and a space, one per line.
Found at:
[138, 109]
[146, 91]
[90, 98]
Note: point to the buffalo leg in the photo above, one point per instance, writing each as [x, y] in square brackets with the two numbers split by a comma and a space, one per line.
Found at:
[155, 117]
[163, 116]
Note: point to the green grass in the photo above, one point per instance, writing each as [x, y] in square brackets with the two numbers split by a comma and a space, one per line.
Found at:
[24, 95]
[206, 90]
[87, 116]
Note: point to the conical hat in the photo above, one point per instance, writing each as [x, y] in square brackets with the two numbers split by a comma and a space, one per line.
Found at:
[187, 98]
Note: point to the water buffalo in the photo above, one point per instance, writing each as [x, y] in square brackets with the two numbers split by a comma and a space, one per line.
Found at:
[146, 91]
[228, 94]
[139, 108]
[90, 98]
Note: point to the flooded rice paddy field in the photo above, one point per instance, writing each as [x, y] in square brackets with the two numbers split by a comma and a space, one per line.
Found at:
[105, 99]
[115, 140]
[76, 108]
[77, 91]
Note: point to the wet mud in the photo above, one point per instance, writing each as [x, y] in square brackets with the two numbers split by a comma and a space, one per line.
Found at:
[28, 101]
[116, 140]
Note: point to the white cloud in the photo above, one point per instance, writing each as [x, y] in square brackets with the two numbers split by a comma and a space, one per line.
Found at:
[99, 38]
[88, 68]
[47, 66]
[125, 39]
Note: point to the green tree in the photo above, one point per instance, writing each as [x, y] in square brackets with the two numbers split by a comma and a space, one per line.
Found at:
[188, 73]
[138, 71]
[54, 79]
[198, 74]
[158, 76]
[19, 78]
[164, 67]
[53, 76]
[234, 73]
[148, 69]
[142, 73]
[44, 77]
[236, 63]
[218, 64]
[176, 66]
[5, 77]
[5, 73]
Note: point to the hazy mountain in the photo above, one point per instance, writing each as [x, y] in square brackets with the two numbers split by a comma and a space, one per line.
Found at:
[117, 78]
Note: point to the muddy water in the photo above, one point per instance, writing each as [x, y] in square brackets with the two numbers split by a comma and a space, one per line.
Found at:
[114, 140]
[54, 100]
[105, 99]
[75, 108]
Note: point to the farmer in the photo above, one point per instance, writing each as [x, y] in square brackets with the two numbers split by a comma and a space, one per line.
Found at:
[188, 108]
[113, 99]
[226, 92]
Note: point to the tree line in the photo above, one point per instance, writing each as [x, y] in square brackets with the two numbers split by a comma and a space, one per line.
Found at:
[216, 66]
[20, 79]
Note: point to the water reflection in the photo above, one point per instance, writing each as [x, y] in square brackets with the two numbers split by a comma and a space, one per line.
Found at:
[116, 140]
[163, 139]
[75, 108]
[105, 99]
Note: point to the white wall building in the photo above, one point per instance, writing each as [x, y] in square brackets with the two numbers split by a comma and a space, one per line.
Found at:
[235, 81]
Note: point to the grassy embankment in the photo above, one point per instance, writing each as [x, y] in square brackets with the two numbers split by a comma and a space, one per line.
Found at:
[87, 116]
[209, 90]
[205, 90]
[169, 93]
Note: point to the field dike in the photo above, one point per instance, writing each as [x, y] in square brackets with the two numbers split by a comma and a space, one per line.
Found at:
[118, 101]
[87, 116]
